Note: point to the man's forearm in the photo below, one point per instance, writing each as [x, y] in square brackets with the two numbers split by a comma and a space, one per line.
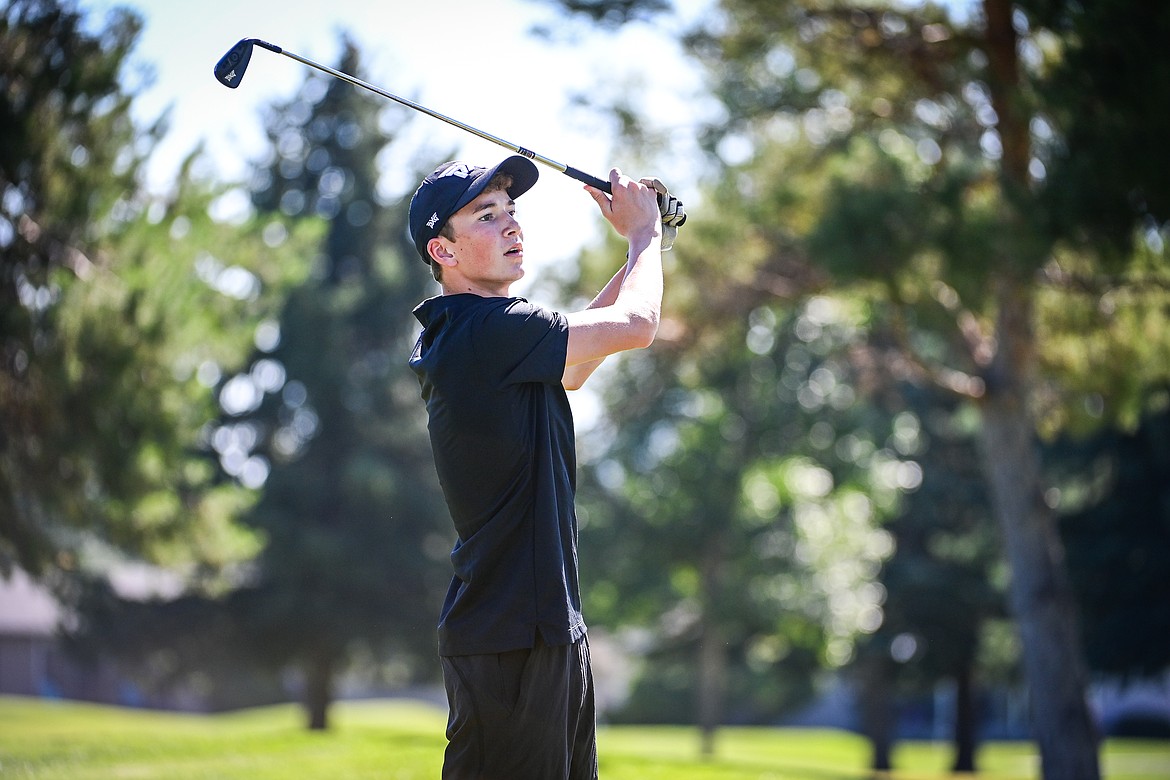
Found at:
[640, 293]
[575, 376]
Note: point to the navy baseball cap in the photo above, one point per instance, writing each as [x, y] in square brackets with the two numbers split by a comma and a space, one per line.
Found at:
[455, 184]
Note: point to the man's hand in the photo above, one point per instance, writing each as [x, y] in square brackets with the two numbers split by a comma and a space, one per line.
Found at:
[631, 209]
[670, 209]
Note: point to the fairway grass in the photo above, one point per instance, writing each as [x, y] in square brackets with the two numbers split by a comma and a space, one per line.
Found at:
[403, 740]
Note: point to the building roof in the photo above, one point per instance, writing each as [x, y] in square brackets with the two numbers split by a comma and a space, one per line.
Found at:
[26, 608]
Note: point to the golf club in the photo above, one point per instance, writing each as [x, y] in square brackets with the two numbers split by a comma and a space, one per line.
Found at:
[229, 71]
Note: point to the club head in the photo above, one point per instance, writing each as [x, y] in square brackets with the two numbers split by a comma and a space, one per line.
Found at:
[229, 71]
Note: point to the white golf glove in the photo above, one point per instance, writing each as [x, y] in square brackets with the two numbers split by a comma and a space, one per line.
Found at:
[671, 209]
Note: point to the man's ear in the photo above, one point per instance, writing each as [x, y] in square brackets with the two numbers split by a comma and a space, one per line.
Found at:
[438, 251]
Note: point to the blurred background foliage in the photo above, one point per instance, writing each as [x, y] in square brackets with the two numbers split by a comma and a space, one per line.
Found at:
[120, 314]
[936, 173]
[914, 341]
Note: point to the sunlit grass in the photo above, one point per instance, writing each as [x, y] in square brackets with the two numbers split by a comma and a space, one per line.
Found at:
[403, 740]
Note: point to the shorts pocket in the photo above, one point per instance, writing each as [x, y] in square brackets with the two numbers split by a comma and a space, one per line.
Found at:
[509, 677]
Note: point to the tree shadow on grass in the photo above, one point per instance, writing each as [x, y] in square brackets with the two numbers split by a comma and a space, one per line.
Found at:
[726, 768]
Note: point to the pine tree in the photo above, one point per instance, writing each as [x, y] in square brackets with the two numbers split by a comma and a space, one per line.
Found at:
[355, 528]
[114, 314]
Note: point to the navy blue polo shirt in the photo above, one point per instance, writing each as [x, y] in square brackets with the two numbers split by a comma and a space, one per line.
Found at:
[502, 435]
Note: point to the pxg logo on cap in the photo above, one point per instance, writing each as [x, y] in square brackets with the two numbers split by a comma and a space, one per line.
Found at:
[455, 184]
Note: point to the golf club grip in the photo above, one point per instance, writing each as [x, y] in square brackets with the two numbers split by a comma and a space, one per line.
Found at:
[585, 178]
[605, 187]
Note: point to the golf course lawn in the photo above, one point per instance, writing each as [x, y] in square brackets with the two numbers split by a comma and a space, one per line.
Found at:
[403, 740]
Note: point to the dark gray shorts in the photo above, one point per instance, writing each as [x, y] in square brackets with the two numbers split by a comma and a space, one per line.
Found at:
[521, 715]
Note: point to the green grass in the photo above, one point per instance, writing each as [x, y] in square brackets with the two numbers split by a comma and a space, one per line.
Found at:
[404, 741]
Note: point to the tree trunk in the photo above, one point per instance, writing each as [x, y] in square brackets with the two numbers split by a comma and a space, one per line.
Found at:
[318, 689]
[876, 707]
[965, 719]
[1041, 598]
[712, 650]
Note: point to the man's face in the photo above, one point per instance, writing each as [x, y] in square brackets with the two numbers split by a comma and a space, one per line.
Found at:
[489, 244]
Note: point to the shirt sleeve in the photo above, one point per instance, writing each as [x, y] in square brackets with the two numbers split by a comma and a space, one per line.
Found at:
[528, 343]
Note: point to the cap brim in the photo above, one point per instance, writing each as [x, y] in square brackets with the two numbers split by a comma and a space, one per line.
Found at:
[524, 174]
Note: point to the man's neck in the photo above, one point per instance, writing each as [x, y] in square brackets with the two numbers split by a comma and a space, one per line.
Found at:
[462, 287]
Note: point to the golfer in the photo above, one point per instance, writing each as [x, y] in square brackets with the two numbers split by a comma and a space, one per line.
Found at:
[493, 369]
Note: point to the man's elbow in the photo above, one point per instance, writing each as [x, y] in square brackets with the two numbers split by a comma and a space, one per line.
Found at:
[643, 329]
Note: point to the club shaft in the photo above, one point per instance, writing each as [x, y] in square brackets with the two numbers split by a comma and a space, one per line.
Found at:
[580, 176]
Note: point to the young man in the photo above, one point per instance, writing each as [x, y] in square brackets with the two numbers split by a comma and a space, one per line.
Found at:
[493, 370]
